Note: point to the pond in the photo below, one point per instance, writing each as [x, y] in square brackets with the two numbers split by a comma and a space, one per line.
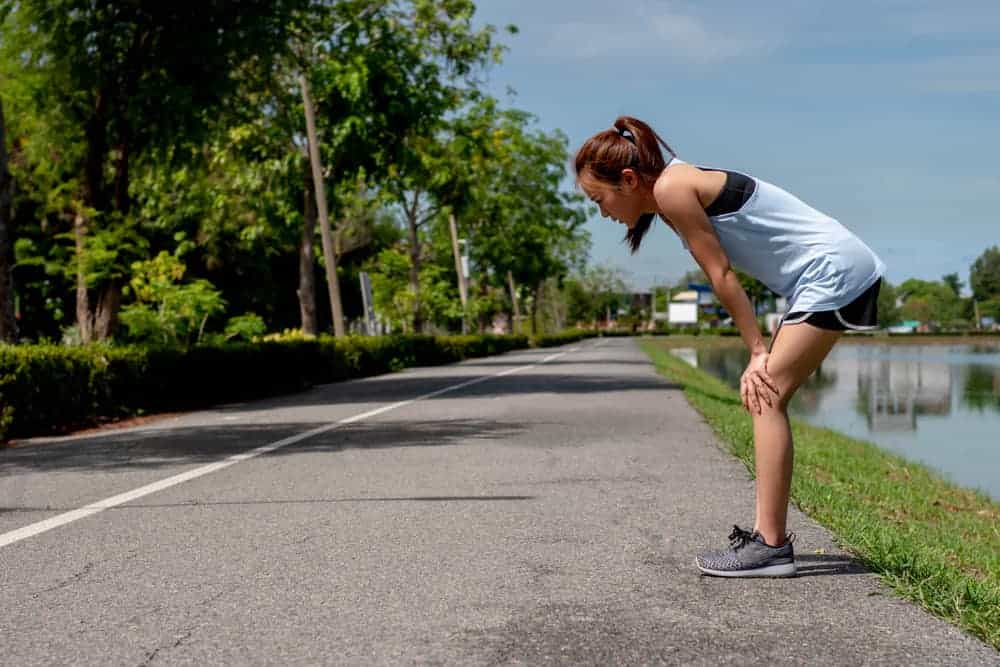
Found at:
[938, 404]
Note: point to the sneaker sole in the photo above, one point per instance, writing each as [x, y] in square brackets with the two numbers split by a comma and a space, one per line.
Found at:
[782, 570]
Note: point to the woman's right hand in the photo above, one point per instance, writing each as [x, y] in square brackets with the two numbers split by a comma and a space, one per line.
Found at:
[756, 386]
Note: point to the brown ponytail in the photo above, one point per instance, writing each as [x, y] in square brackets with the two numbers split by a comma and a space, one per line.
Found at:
[630, 144]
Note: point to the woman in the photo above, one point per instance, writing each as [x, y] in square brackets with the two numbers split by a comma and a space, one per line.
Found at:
[727, 219]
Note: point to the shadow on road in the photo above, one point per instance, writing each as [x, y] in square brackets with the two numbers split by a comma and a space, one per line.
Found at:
[164, 445]
[817, 565]
[159, 448]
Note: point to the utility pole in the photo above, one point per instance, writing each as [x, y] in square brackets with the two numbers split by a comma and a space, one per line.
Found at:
[463, 292]
[513, 300]
[329, 257]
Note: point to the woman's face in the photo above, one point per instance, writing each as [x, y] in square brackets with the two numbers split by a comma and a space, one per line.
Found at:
[618, 202]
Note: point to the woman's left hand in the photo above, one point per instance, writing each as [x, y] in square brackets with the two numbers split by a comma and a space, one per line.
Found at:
[756, 385]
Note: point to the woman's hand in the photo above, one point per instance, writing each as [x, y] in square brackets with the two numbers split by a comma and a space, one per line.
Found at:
[756, 385]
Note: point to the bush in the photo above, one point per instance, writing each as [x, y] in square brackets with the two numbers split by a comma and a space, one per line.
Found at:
[564, 338]
[49, 388]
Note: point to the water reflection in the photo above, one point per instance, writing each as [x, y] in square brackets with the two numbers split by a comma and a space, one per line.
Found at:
[935, 403]
[892, 392]
[982, 387]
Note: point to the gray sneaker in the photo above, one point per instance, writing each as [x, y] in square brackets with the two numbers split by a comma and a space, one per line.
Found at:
[749, 556]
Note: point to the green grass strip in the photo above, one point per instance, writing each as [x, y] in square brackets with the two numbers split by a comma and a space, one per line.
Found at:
[932, 541]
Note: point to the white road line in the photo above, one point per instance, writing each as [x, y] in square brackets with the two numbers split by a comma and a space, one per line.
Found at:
[122, 498]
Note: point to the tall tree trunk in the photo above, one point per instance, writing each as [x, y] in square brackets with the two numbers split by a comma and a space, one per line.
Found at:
[84, 321]
[307, 278]
[8, 324]
[122, 201]
[95, 194]
[96, 198]
[106, 313]
[418, 318]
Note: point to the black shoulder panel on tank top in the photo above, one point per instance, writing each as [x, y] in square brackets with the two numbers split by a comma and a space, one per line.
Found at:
[734, 194]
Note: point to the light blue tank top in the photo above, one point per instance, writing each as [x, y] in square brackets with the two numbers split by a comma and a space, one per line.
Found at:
[801, 254]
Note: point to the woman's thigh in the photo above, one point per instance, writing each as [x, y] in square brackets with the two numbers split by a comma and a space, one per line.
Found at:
[797, 351]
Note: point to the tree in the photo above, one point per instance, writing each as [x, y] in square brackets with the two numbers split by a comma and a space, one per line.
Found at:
[438, 53]
[929, 301]
[8, 325]
[131, 76]
[517, 216]
[593, 292]
[954, 282]
[984, 276]
[376, 84]
[167, 311]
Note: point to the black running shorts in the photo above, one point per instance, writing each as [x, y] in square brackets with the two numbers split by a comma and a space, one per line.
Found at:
[860, 314]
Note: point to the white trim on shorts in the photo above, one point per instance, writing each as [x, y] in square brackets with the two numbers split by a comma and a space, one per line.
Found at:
[836, 312]
[854, 327]
[797, 321]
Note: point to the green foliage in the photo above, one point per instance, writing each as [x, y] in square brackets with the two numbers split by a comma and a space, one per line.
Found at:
[928, 301]
[166, 311]
[518, 217]
[393, 300]
[984, 276]
[108, 251]
[102, 87]
[562, 338]
[593, 292]
[755, 289]
[47, 388]
[115, 126]
[954, 282]
[246, 327]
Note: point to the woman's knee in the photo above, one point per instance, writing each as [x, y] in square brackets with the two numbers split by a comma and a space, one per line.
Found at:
[787, 384]
[777, 403]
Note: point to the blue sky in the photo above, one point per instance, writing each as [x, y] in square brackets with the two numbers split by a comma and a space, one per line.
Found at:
[884, 114]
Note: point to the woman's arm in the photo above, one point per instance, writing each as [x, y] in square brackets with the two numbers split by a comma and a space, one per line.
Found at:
[678, 201]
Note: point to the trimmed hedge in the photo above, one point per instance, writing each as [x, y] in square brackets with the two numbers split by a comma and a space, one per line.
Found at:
[563, 338]
[49, 389]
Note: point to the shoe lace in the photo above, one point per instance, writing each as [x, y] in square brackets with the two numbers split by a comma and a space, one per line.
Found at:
[739, 538]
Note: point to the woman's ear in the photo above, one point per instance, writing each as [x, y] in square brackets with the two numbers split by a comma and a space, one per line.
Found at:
[630, 179]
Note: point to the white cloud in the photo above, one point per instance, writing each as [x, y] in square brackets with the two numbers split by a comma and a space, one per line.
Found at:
[689, 38]
[655, 30]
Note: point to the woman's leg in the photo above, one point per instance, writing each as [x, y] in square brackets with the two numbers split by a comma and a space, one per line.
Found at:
[797, 351]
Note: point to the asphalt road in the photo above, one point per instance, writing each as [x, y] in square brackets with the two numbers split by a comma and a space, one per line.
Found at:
[546, 512]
